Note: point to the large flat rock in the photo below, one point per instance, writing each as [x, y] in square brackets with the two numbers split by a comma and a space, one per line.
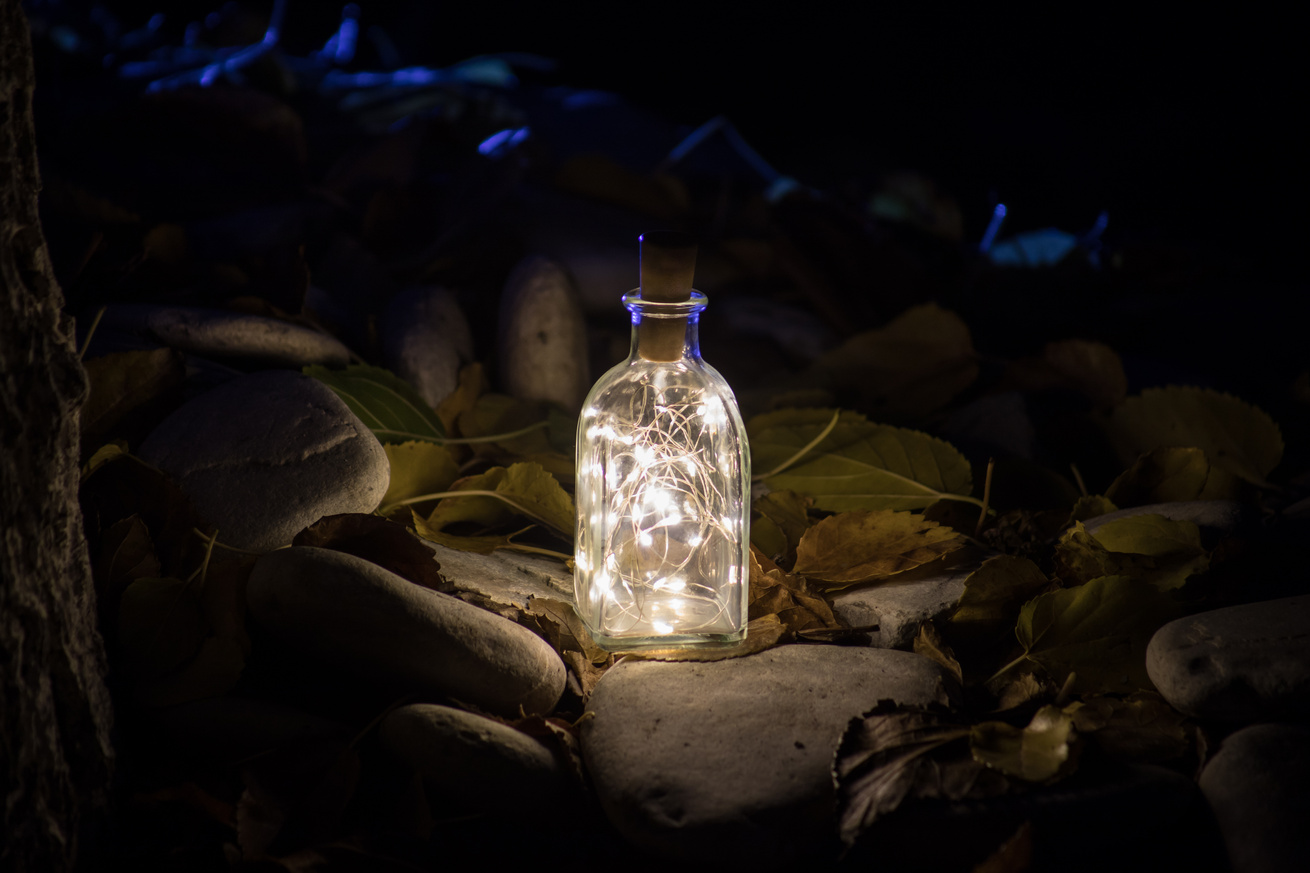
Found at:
[1241, 663]
[729, 762]
[346, 613]
[266, 455]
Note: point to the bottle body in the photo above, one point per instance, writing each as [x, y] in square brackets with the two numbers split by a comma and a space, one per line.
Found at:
[663, 488]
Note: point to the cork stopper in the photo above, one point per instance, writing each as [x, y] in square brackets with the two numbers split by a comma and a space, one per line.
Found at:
[668, 265]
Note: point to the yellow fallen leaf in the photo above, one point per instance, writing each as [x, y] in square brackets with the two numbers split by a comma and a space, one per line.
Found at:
[862, 546]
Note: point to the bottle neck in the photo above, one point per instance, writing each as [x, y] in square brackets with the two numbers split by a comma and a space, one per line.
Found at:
[665, 332]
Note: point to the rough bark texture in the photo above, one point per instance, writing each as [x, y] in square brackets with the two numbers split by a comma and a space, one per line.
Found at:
[55, 753]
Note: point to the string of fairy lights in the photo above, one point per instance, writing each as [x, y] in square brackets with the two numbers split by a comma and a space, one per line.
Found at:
[668, 528]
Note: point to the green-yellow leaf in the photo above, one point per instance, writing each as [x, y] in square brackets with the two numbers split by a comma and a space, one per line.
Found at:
[858, 465]
[1090, 506]
[862, 546]
[1234, 435]
[387, 404]
[913, 365]
[1148, 548]
[103, 455]
[501, 494]
[994, 593]
[1098, 630]
[1037, 753]
[505, 429]
[417, 468]
[1152, 535]
[1172, 474]
[483, 545]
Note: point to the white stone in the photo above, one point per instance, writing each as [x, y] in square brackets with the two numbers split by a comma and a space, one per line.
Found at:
[344, 611]
[266, 455]
[1240, 663]
[472, 763]
[730, 762]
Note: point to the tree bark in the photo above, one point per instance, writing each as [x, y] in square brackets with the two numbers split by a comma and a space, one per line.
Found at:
[55, 752]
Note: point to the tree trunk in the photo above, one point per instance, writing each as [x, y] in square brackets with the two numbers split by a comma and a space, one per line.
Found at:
[55, 753]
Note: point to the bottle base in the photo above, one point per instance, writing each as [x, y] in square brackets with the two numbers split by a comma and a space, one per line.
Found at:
[620, 644]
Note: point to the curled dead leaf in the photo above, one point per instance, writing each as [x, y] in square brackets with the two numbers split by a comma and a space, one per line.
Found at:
[857, 547]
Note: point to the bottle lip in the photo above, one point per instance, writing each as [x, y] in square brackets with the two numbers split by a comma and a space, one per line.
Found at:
[634, 302]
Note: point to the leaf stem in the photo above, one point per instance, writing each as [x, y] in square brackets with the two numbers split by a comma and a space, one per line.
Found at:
[215, 543]
[90, 332]
[1010, 666]
[1078, 477]
[987, 496]
[442, 495]
[805, 450]
[489, 438]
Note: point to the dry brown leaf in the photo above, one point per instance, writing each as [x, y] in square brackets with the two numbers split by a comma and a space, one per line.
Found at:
[928, 643]
[380, 541]
[773, 592]
[472, 385]
[912, 366]
[863, 546]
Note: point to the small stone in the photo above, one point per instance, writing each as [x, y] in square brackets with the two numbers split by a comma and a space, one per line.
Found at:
[1241, 663]
[264, 456]
[899, 606]
[340, 609]
[1256, 785]
[472, 763]
[426, 339]
[543, 336]
[1220, 516]
[730, 762]
[218, 333]
[504, 577]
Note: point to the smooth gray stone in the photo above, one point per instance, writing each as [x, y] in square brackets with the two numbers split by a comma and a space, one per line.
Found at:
[730, 762]
[218, 333]
[1256, 786]
[543, 336]
[264, 456]
[899, 606]
[505, 576]
[472, 763]
[233, 729]
[1220, 515]
[346, 611]
[1241, 663]
[426, 339]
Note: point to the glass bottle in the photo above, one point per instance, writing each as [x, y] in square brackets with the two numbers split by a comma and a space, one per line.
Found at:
[663, 477]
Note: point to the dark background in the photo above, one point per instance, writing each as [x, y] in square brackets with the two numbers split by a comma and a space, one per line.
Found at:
[1184, 127]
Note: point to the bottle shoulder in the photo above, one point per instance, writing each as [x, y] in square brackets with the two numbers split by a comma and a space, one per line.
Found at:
[660, 382]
